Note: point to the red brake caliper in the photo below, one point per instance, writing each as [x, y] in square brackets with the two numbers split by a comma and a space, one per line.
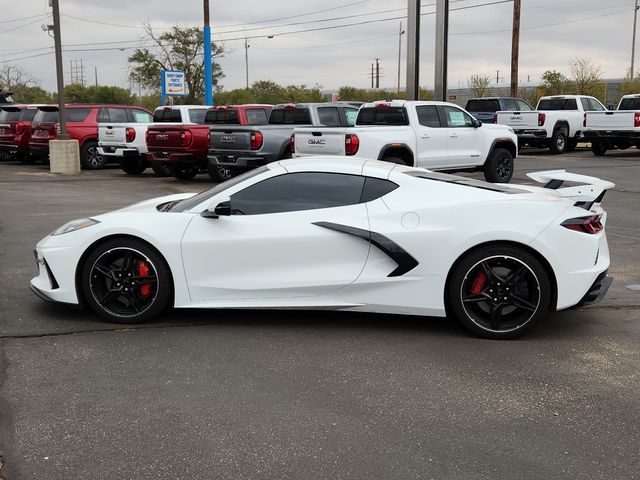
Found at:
[143, 271]
[478, 283]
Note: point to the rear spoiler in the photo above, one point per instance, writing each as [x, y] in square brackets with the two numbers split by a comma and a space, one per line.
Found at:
[591, 191]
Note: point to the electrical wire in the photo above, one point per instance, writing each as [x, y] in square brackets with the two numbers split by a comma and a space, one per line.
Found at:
[22, 18]
[42, 17]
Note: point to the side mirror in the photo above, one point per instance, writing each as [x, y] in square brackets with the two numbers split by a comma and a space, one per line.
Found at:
[222, 208]
[476, 123]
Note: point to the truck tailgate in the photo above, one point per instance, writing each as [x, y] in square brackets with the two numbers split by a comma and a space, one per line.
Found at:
[230, 139]
[112, 134]
[518, 120]
[320, 141]
[164, 137]
[621, 120]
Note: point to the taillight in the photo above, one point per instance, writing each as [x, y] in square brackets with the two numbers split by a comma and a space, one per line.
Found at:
[636, 119]
[584, 119]
[589, 225]
[351, 144]
[292, 143]
[541, 118]
[20, 127]
[130, 135]
[185, 138]
[256, 140]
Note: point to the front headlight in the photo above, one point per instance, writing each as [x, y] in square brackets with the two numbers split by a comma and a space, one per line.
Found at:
[74, 225]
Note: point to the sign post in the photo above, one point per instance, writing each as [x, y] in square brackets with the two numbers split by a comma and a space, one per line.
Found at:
[173, 84]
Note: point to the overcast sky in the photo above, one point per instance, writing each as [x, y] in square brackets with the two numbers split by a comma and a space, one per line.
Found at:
[552, 31]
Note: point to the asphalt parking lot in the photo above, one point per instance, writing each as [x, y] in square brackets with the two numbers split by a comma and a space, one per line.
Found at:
[313, 395]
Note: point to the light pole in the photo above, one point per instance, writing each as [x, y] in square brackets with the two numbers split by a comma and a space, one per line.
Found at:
[442, 42]
[400, 32]
[246, 61]
[59, 72]
[633, 41]
[413, 50]
[208, 80]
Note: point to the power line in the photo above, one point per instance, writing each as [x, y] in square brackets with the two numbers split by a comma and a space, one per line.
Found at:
[23, 18]
[39, 19]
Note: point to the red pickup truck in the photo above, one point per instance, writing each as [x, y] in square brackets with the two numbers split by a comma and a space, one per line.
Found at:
[183, 148]
[82, 125]
[15, 131]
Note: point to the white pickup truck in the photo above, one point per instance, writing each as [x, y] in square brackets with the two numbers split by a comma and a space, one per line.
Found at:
[126, 143]
[433, 135]
[556, 123]
[616, 129]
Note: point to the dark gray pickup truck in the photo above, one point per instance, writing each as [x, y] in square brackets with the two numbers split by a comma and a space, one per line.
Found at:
[234, 149]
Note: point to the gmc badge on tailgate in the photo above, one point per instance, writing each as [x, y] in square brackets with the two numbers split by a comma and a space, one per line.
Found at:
[162, 136]
[516, 117]
[228, 139]
[313, 141]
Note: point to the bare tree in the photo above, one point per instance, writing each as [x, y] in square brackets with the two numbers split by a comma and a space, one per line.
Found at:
[479, 84]
[13, 77]
[585, 74]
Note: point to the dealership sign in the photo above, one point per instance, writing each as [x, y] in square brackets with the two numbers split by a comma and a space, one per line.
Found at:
[173, 83]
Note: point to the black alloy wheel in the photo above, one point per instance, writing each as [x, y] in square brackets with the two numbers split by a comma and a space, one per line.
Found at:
[91, 159]
[499, 167]
[218, 173]
[499, 296]
[126, 283]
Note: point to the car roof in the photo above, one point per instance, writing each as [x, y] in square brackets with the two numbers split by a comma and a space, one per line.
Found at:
[338, 164]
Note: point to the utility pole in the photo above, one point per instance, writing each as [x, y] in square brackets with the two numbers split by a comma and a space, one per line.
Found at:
[372, 76]
[442, 42]
[95, 69]
[59, 73]
[377, 72]
[400, 32]
[246, 61]
[633, 42]
[208, 81]
[515, 47]
[497, 77]
[413, 50]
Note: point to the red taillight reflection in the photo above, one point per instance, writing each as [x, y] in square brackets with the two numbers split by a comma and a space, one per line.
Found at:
[20, 128]
[636, 120]
[351, 144]
[589, 225]
[256, 140]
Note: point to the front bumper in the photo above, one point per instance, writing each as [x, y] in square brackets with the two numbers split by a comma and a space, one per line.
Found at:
[55, 281]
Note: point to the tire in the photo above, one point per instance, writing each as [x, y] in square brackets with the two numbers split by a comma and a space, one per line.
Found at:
[90, 158]
[599, 148]
[517, 279]
[26, 158]
[572, 143]
[220, 174]
[161, 170]
[397, 160]
[558, 142]
[124, 280]
[184, 173]
[499, 166]
[133, 166]
[623, 144]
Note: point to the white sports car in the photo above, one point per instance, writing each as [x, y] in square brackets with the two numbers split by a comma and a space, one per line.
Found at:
[345, 234]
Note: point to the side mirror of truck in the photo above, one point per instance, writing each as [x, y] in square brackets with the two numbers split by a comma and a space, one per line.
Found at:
[476, 123]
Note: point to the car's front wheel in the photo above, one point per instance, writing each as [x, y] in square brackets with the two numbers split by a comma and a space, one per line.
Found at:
[499, 166]
[499, 292]
[133, 166]
[126, 281]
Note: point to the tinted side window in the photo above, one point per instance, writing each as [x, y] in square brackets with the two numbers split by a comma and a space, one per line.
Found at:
[290, 116]
[509, 104]
[140, 116]
[77, 114]
[298, 191]
[482, 105]
[167, 115]
[376, 188]
[257, 116]
[522, 105]
[428, 116]
[585, 104]
[596, 106]
[351, 114]
[456, 118]
[46, 116]
[383, 115]
[28, 114]
[196, 115]
[10, 114]
[329, 116]
[118, 115]
[630, 103]
[103, 116]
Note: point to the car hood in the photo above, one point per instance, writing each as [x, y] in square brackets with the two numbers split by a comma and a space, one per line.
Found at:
[151, 204]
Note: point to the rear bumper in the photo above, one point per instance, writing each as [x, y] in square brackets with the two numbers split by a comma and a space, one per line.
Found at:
[238, 160]
[118, 151]
[177, 159]
[611, 135]
[8, 147]
[597, 291]
[530, 133]
[38, 150]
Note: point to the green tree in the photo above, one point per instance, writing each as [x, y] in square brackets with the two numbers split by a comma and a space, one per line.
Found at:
[554, 83]
[32, 94]
[76, 93]
[630, 85]
[267, 91]
[178, 49]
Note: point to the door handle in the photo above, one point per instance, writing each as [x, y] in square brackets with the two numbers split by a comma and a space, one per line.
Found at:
[425, 135]
[453, 135]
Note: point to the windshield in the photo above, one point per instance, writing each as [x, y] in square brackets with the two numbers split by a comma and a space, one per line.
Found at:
[483, 105]
[10, 115]
[290, 116]
[382, 115]
[167, 115]
[227, 116]
[632, 103]
[557, 104]
[196, 200]
[46, 116]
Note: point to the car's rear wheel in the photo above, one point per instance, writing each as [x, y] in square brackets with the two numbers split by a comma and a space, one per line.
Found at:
[184, 173]
[558, 141]
[126, 281]
[499, 292]
[90, 158]
[499, 166]
[133, 166]
[160, 169]
[599, 148]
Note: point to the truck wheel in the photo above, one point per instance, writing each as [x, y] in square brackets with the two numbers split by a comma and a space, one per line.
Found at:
[90, 158]
[161, 170]
[558, 142]
[133, 166]
[572, 143]
[397, 160]
[25, 157]
[499, 167]
[599, 148]
[220, 174]
[184, 173]
[623, 144]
